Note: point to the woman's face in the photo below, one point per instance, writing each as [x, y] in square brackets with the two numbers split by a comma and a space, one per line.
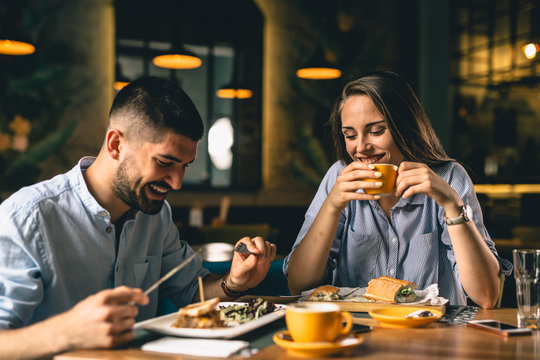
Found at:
[367, 137]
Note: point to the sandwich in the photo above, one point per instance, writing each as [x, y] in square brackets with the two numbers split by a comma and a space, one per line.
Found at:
[202, 315]
[325, 293]
[390, 290]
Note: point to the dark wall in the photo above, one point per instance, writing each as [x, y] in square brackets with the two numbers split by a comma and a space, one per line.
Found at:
[286, 220]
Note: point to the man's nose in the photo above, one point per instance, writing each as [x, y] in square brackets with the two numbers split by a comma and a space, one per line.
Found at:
[175, 179]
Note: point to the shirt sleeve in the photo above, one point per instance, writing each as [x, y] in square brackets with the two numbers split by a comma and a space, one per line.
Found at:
[460, 181]
[21, 284]
[324, 189]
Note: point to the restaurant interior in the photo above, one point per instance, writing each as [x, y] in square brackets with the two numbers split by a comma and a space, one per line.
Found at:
[473, 64]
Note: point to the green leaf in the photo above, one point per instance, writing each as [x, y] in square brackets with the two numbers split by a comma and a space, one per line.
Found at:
[42, 149]
[37, 80]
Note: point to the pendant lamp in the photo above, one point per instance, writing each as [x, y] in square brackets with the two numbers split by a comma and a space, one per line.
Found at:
[531, 45]
[235, 89]
[121, 80]
[15, 47]
[318, 68]
[178, 57]
[530, 50]
[12, 41]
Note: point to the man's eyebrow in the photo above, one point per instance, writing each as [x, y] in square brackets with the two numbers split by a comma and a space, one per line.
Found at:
[172, 158]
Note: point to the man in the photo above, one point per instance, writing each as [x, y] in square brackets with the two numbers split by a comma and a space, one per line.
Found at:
[76, 250]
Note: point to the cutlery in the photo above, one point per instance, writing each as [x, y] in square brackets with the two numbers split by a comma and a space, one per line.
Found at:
[242, 249]
[419, 314]
[286, 337]
[349, 293]
[450, 316]
[171, 273]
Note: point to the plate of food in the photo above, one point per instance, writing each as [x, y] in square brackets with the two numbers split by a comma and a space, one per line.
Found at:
[380, 293]
[215, 319]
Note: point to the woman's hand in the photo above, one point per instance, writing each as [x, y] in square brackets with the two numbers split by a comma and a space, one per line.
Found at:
[350, 180]
[416, 178]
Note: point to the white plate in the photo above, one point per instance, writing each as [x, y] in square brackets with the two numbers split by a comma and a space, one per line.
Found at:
[163, 324]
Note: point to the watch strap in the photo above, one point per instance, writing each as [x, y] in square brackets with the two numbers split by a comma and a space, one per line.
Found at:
[462, 218]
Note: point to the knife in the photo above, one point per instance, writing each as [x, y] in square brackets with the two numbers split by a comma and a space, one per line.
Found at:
[171, 273]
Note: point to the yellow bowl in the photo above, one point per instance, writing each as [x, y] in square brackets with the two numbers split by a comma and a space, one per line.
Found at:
[395, 317]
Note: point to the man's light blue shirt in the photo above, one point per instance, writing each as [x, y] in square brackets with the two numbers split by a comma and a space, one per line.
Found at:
[57, 246]
[413, 246]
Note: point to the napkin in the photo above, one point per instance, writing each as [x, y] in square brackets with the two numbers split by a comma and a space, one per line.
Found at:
[197, 347]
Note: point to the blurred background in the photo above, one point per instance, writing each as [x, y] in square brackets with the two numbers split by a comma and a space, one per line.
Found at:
[473, 64]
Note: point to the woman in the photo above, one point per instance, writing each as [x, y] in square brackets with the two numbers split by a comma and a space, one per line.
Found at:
[349, 237]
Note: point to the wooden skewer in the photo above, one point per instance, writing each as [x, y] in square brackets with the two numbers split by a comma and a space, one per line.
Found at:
[201, 290]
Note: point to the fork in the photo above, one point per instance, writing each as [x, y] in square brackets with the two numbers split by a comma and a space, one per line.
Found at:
[242, 249]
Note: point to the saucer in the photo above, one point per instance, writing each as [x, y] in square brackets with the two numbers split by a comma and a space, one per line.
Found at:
[319, 348]
[395, 317]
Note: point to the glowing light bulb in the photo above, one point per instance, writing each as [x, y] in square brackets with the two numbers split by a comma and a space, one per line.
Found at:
[530, 50]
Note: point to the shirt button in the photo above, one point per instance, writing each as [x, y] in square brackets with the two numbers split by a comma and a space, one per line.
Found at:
[394, 240]
[108, 229]
[392, 271]
[103, 213]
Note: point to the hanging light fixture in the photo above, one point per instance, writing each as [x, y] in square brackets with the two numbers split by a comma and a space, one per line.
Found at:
[12, 42]
[531, 46]
[530, 50]
[235, 89]
[318, 68]
[15, 47]
[121, 80]
[178, 58]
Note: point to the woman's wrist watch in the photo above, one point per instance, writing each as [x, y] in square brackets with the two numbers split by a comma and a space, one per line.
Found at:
[465, 215]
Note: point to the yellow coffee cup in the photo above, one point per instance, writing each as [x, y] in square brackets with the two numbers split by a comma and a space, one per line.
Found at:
[309, 322]
[388, 179]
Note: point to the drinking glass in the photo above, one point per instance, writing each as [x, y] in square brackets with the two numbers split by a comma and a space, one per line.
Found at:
[527, 275]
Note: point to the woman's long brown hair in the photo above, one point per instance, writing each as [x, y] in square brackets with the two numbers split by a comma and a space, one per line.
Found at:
[407, 121]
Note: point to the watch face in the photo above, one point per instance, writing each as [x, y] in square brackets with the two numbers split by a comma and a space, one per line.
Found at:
[467, 212]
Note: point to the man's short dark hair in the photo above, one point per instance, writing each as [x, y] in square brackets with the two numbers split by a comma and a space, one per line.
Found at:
[149, 107]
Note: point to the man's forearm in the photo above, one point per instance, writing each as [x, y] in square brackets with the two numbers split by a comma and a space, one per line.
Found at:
[212, 288]
[38, 341]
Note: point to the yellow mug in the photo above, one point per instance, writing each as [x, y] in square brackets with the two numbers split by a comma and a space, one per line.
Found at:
[388, 179]
[309, 322]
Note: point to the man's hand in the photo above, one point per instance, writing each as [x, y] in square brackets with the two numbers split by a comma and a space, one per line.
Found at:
[104, 319]
[248, 270]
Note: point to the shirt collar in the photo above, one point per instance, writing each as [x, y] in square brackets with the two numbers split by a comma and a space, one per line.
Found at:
[79, 184]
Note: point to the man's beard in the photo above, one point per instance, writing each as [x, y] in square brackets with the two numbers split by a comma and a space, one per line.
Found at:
[123, 190]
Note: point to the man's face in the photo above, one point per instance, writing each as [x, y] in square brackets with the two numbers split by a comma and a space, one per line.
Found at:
[146, 173]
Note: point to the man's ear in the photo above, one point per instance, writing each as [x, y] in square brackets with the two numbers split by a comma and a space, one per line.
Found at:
[114, 142]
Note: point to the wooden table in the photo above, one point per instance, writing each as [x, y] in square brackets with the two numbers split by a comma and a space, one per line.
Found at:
[436, 341]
